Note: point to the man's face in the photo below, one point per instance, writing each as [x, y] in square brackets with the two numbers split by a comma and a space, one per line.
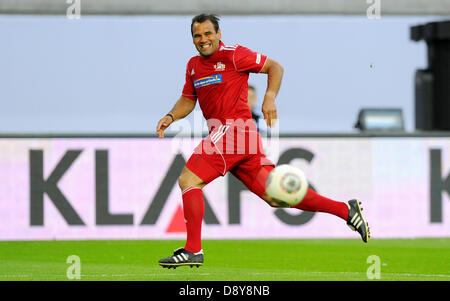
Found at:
[205, 37]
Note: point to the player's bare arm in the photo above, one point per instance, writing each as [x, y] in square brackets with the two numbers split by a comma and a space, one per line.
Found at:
[183, 107]
[274, 73]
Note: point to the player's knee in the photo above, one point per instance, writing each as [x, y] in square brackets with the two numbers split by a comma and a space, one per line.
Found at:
[273, 205]
[187, 179]
[270, 202]
[183, 182]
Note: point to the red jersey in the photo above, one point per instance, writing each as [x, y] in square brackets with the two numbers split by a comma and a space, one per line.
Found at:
[220, 82]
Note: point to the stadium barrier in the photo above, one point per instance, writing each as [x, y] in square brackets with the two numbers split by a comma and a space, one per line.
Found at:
[125, 187]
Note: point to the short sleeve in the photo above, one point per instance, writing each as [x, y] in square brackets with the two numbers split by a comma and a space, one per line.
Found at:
[246, 60]
[189, 89]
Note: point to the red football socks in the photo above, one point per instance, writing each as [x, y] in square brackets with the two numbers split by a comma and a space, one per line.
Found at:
[194, 209]
[315, 202]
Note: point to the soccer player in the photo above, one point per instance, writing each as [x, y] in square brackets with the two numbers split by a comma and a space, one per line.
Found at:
[218, 79]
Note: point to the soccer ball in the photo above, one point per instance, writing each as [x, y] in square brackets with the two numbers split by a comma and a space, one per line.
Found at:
[286, 185]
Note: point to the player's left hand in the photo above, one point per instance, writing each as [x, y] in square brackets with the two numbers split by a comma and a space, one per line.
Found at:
[269, 110]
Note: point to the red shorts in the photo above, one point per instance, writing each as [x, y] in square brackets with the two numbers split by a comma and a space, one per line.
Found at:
[236, 149]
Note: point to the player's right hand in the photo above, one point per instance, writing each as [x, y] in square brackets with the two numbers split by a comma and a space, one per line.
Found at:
[163, 124]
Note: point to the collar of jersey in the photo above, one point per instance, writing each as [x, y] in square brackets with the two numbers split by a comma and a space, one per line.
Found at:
[215, 54]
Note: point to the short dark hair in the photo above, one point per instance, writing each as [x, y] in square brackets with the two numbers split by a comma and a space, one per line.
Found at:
[202, 18]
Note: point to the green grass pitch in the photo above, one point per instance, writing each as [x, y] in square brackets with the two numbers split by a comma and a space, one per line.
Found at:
[230, 260]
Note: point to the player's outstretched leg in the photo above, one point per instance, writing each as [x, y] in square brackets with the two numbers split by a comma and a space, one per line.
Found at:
[351, 212]
[356, 221]
[181, 257]
[318, 203]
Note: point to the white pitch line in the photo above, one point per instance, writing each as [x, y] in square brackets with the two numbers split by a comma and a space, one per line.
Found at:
[417, 275]
[356, 274]
[256, 274]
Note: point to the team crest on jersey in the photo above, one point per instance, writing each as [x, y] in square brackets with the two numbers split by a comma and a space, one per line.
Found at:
[208, 80]
[219, 66]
